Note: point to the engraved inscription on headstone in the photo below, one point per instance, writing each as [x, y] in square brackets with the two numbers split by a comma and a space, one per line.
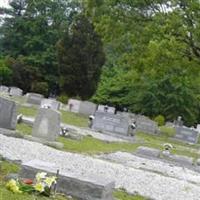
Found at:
[187, 134]
[106, 122]
[8, 114]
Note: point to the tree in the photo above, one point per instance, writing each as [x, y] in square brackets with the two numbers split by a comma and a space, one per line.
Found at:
[81, 56]
[31, 30]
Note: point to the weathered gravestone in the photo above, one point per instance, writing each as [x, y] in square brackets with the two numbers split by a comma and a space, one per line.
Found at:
[104, 108]
[107, 122]
[79, 187]
[146, 125]
[46, 128]
[8, 114]
[14, 91]
[74, 105]
[4, 89]
[47, 124]
[34, 98]
[87, 108]
[186, 134]
[50, 103]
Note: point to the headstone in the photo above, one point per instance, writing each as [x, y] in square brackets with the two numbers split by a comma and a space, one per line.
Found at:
[146, 125]
[186, 134]
[87, 108]
[4, 89]
[14, 91]
[34, 98]
[198, 128]
[146, 151]
[50, 103]
[47, 124]
[183, 160]
[8, 114]
[79, 187]
[104, 108]
[107, 122]
[74, 105]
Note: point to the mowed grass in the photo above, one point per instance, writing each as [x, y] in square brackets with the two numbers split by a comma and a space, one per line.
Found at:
[91, 145]
[122, 195]
[66, 117]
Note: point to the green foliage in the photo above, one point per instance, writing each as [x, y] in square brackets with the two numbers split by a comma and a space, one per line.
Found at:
[5, 72]
[167, 131]
[122, 195]
[40, 87]
[63, 98]
[81, 56]
[160, 120]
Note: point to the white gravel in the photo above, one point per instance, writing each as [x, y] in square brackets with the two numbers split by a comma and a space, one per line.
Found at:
[131, 178]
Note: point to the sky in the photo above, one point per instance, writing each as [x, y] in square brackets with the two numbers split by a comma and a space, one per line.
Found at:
[4, 3]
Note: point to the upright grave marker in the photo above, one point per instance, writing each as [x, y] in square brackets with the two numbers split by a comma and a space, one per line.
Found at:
[107, 122]
[146, 125]
[186, 134]
[8, 114]
[34, 98]
[14, 91]
[50, 103]
[47, 125]
[87, 108]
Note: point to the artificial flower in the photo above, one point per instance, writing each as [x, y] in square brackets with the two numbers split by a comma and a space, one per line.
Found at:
[40, 176]
[39, 187]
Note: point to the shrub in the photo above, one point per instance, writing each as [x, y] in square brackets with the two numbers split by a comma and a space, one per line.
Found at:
[167, 131]
[63, 98]
[40, 87]
[160, 120]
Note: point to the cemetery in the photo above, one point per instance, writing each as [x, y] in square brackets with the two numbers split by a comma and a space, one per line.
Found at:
[108, 140]
[99, 100]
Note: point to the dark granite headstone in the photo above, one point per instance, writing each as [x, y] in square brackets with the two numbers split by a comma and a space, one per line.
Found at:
[107, 122]
[186, 134]
[8, 114]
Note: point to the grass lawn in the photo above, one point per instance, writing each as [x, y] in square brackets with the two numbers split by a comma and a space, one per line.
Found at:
[122, 195]
[66, 117]
[91, 145]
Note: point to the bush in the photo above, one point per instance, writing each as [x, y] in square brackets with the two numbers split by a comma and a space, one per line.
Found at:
[167, 131]
[160, 120]
[40, 87]
[63, 98]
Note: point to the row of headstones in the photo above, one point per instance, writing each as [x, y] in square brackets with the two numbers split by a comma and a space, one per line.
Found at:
[12, 91]
[46, 125]
[121, 124]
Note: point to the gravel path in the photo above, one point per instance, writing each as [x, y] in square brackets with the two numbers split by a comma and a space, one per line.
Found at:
[149, 184]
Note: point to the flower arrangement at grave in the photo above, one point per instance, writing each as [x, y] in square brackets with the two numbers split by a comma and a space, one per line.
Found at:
[42, 184]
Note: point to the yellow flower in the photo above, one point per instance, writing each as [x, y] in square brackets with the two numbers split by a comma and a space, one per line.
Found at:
[50, 180]
[39, 187]
[12, 186]
[40, 176]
